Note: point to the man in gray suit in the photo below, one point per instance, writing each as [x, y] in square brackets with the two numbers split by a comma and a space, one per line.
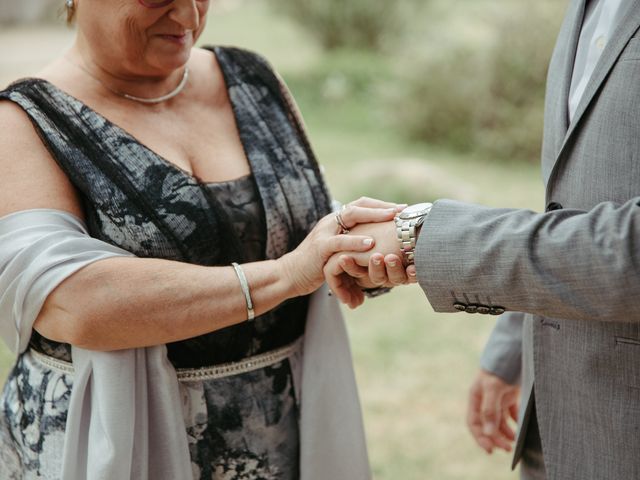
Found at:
[574, 270]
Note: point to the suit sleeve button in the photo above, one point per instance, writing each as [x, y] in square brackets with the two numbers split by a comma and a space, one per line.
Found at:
[497, 310]
[472, 308]
[460, 307]
[483, 310]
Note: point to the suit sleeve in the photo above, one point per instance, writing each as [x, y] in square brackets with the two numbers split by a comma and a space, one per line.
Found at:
[502, 355]
[571, 264]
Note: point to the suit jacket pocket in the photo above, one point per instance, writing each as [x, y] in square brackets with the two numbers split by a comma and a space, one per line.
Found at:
[628, 360]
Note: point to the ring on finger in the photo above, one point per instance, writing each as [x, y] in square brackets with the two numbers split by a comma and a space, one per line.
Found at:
[340, 222]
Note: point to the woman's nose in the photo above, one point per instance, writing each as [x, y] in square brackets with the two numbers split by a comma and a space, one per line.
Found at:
[185, 12]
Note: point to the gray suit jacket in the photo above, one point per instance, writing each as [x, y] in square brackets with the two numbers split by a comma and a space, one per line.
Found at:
[574, 269]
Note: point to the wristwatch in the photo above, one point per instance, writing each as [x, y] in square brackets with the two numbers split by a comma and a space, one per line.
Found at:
[407, 222]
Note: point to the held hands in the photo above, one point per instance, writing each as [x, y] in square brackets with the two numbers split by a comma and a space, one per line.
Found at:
[348, 273]
[354, 250]
[303, 268]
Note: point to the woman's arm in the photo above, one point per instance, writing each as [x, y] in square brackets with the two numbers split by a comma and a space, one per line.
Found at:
[134, 302]
[131, 302]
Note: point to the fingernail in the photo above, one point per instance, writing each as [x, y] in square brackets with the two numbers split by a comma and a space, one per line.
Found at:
[401, 206]
[392, 263]
[376, 261]
[368, 241]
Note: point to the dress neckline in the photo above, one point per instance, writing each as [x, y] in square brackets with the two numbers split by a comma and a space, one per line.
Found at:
[193, 179]
[239, 180]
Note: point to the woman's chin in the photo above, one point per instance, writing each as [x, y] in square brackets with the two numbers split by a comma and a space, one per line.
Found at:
[169, 63]
[172, 51]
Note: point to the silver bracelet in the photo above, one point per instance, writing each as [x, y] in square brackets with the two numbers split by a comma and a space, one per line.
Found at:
[251, 314]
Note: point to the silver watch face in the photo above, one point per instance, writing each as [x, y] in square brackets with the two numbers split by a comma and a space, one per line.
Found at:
[415, 211]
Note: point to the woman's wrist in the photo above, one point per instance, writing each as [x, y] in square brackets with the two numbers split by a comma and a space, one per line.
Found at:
[288, 283]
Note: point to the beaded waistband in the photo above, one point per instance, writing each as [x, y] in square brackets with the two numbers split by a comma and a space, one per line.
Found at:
[248, 364]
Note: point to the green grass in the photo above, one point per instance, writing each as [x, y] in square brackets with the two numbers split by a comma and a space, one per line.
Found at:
[414, 366]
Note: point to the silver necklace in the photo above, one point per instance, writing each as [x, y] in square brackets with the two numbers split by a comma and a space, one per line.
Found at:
[149, 101]
[176, 91]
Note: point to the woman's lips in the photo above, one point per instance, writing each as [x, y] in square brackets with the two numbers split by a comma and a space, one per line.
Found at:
[177, 39]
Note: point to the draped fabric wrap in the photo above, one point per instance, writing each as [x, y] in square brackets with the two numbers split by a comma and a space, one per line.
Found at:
[113, 391]
[39, 249]
[124, 417]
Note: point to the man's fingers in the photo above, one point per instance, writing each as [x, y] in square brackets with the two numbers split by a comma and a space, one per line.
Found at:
[343, 286]
[337, 280]
[486, 444]
[412, 274]
[475, 427]
[506, 430]
[474, 420]
[377, 269]
[348, 292]
[473, 411]
[351, 268]
[513, 411]
[505, 435]
[501, 443]
[483, 442]
[357, 298]
[395, 270]
[487, 418]
[490, 409]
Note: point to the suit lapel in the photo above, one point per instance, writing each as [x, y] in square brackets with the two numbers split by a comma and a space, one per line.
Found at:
[577, 19]
[559, 83]
[628, 26]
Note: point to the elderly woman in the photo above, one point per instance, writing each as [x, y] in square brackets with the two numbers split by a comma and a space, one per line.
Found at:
[163, 222]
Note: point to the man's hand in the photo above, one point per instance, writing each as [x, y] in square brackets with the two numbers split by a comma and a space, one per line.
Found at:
[348, 273]
[492, 403]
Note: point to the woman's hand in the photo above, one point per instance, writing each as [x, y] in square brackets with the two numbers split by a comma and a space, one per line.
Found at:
[303, 267]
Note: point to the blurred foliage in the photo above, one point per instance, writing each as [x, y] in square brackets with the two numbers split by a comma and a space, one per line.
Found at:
[363, 24]
[345, 86]
[474, 81]
[486, 97]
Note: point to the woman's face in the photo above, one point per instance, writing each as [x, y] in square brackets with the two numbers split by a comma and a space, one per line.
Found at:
[125, 38]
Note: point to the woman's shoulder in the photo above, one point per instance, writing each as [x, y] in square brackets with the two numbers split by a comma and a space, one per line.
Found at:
[31, 178]
[14, 122]
[18, 137]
